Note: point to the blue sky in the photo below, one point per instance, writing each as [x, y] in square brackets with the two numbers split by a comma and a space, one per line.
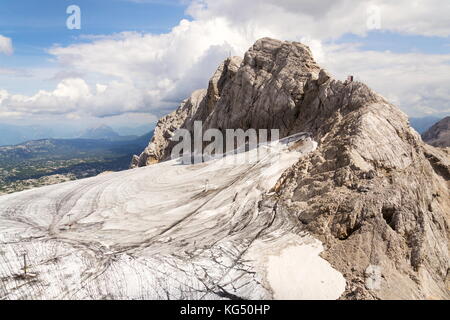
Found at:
[133, 60]
[35, 26]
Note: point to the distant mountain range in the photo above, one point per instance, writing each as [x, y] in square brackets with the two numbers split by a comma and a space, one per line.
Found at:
[48, 161]
[100, 132]
[134, 131]
[423, 124]
[16, 134]
[12, 134]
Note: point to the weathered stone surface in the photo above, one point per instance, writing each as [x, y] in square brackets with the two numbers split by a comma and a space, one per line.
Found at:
[267, 88]
[439, 134]
[159, 147]
[198, 107]
[373, 192]
[263, 91]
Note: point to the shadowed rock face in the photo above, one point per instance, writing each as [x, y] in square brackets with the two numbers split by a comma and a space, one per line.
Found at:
[439, 134]
[372, 191]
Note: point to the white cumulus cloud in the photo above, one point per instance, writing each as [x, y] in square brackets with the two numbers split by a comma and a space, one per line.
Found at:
[418, 83]
[133, 72]
[330, 18]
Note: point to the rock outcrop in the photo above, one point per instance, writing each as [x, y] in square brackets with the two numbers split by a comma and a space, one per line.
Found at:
[159, 147]
[198, 106]
[262, 91]
[439, 134]
[373, 191]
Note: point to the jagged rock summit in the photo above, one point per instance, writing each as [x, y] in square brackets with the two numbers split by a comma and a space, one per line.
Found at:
[262, 91]
[372, 191]
[439, 134]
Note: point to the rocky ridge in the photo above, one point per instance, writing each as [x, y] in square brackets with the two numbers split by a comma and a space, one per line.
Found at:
[373, 192]
[439, 134]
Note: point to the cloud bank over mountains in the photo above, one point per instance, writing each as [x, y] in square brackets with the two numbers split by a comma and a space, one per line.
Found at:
[131, 72]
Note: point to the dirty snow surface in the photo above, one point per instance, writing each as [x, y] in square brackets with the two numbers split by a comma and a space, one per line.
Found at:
[167, 231]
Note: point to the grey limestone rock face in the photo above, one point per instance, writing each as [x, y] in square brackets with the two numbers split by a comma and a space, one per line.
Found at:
[373, 191]
[158, 148]
[262, 91]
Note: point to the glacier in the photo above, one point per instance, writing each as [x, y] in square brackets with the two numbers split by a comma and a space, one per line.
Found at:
[167, 231]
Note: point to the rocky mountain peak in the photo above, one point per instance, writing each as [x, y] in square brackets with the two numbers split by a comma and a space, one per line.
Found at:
[260, 91]
[372, 191]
